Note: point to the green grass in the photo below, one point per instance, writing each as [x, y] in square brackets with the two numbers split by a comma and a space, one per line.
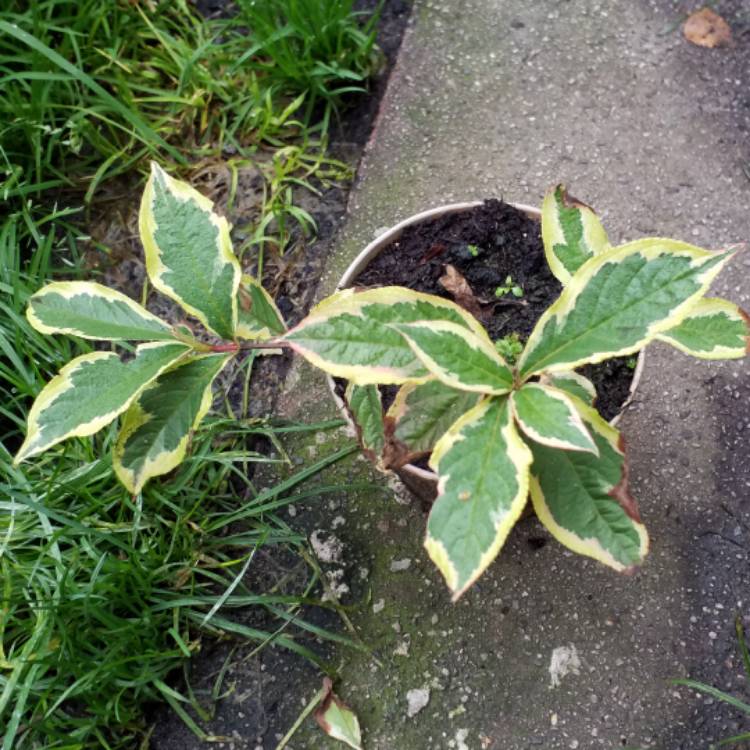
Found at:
[93, 89]
[89, 88]
[314, 48]
[103, 596]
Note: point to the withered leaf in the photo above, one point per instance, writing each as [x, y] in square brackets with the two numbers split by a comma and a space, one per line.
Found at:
[455, 284]
[336, 719]
[707, 29]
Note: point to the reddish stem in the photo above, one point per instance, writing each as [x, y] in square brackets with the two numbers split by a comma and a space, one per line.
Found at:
[247, 345]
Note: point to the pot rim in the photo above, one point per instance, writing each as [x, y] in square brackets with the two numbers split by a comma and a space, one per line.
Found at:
[374, 248]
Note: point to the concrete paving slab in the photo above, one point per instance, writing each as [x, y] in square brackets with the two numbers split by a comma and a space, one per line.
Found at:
[506, 99]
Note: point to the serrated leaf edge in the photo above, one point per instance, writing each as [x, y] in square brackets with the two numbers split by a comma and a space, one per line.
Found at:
[154, 265]
[70, 289]
[135, 417]
[574, 421]
[521, 457]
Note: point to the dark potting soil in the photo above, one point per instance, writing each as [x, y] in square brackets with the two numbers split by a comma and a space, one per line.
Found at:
[486, 245]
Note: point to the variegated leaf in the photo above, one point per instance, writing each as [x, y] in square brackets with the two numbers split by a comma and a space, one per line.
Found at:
[367, 412]
[349, 335]
[713, 329]
[189, 253]
[157, 426]
[483, 468]
[457, 357]
[336, 719]
[422, 412]
[584, 500]
[93, 311]
[549, 416]
[573, 383]
[571, 232]
[90, 391]
[619, 301]
[259, 318]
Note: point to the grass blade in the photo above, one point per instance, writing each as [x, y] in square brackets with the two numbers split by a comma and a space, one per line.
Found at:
[714, 693]
[148, 135]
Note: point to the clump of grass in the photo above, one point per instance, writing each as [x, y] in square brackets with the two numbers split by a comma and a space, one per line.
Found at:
[103, 596]
[322, 49]
[90, 89]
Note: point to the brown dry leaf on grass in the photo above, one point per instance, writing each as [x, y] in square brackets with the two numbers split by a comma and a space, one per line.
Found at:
[707, 29]
[456, 285]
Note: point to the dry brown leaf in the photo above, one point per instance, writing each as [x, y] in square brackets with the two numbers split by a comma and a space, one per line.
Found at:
[454, 283]
[707, 29]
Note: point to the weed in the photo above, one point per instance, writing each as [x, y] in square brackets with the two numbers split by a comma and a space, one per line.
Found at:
[509, 288]
[510, 347]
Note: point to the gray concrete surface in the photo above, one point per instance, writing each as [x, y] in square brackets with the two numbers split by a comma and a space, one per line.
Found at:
[504, 99]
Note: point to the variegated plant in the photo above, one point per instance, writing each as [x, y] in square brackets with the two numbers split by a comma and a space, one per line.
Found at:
[496, 433]
[164, 390]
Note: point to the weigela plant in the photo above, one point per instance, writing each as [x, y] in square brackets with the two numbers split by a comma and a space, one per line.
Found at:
[496, 433]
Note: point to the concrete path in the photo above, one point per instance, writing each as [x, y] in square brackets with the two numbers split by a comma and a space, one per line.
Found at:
[495, 98]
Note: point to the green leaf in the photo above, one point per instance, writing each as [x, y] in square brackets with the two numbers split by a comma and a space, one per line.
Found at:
[713, 329]
[619, 301]
[336, 719]
[93, 311]
[90, 391]
[259, 318]
[157, 426]
[349, 335]
[571, 232]
[422, 412]
[549, 416]
[584, 500]
[188, 251]
[483, 468]
[457, 357]
[367, 414]
[573, 383]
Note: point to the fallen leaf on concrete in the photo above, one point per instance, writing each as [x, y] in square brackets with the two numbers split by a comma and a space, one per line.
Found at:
[707, 29]
[336, 719]
[455, 284]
